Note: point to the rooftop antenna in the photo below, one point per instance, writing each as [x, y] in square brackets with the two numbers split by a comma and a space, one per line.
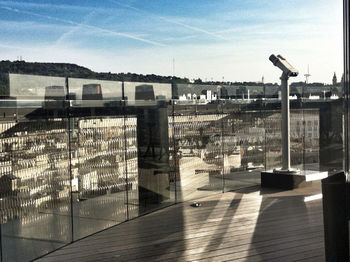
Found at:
[173, 66]
[307, 75]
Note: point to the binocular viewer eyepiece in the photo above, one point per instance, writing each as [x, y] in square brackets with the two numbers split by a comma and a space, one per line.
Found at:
[283, 64]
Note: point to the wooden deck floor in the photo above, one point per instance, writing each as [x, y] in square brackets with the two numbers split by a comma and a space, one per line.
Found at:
[246, 225]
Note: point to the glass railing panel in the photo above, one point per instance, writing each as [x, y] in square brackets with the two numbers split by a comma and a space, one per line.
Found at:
[271, 92]
[35, 87]
[273, 142]
[149, 163]
[93, 90]
[297, 136]
[255, 126]
[197, 146]
[146, 94]
[311, 139]
[92, 97]
[198, 137]
[35, 187]
[97, 155]
[98, 173]
[33, 96]
[331, 135]
[131, 171]
[244, 148]
[35, 178]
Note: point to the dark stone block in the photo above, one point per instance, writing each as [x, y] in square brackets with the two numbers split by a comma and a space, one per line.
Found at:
[285, 181]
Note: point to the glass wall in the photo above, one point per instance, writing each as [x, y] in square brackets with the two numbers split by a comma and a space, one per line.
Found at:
[35, 178]
[244, 147]
[197, 142]
[82, 155]
[346, 80]
[148, 169]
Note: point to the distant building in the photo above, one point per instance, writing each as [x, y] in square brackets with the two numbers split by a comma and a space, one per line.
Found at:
[334, 80]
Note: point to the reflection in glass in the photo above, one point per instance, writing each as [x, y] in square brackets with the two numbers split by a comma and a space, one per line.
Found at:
[92, 92]
[98, 176]
[35, 187]
[331, 140]
[196, 143]
[273, 140]
[92, 89]
[33, 87]
[244, 148]
[153, 156]
[145, 93]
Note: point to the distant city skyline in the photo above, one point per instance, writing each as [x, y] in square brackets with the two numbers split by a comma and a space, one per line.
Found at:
[211, 40]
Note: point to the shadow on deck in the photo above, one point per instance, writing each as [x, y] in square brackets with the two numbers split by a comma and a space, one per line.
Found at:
[253, 224]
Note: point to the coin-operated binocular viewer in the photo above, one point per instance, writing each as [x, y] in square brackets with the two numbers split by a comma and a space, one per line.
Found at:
[286, 177]
[287, 71]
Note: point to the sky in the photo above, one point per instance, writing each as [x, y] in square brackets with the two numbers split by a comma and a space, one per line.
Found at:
[228, 40]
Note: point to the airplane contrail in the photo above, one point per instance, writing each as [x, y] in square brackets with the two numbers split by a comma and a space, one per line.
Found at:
[73, 30]
[86, 26]
[172, 21]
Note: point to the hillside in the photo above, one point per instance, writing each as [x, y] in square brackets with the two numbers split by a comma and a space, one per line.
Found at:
[73, 70]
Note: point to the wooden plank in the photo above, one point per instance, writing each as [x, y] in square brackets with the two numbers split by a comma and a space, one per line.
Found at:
[249, 225]
[193, 225]
[116, 243]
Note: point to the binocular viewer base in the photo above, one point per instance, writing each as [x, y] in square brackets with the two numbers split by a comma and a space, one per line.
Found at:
[290, 179]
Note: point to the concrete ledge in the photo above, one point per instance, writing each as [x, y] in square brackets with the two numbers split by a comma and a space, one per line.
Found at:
[284, 181]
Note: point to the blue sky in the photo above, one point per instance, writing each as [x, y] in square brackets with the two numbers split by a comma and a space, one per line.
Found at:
[210, 39]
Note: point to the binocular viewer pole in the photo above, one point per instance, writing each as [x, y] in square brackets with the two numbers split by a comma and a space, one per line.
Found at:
[285, 125]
